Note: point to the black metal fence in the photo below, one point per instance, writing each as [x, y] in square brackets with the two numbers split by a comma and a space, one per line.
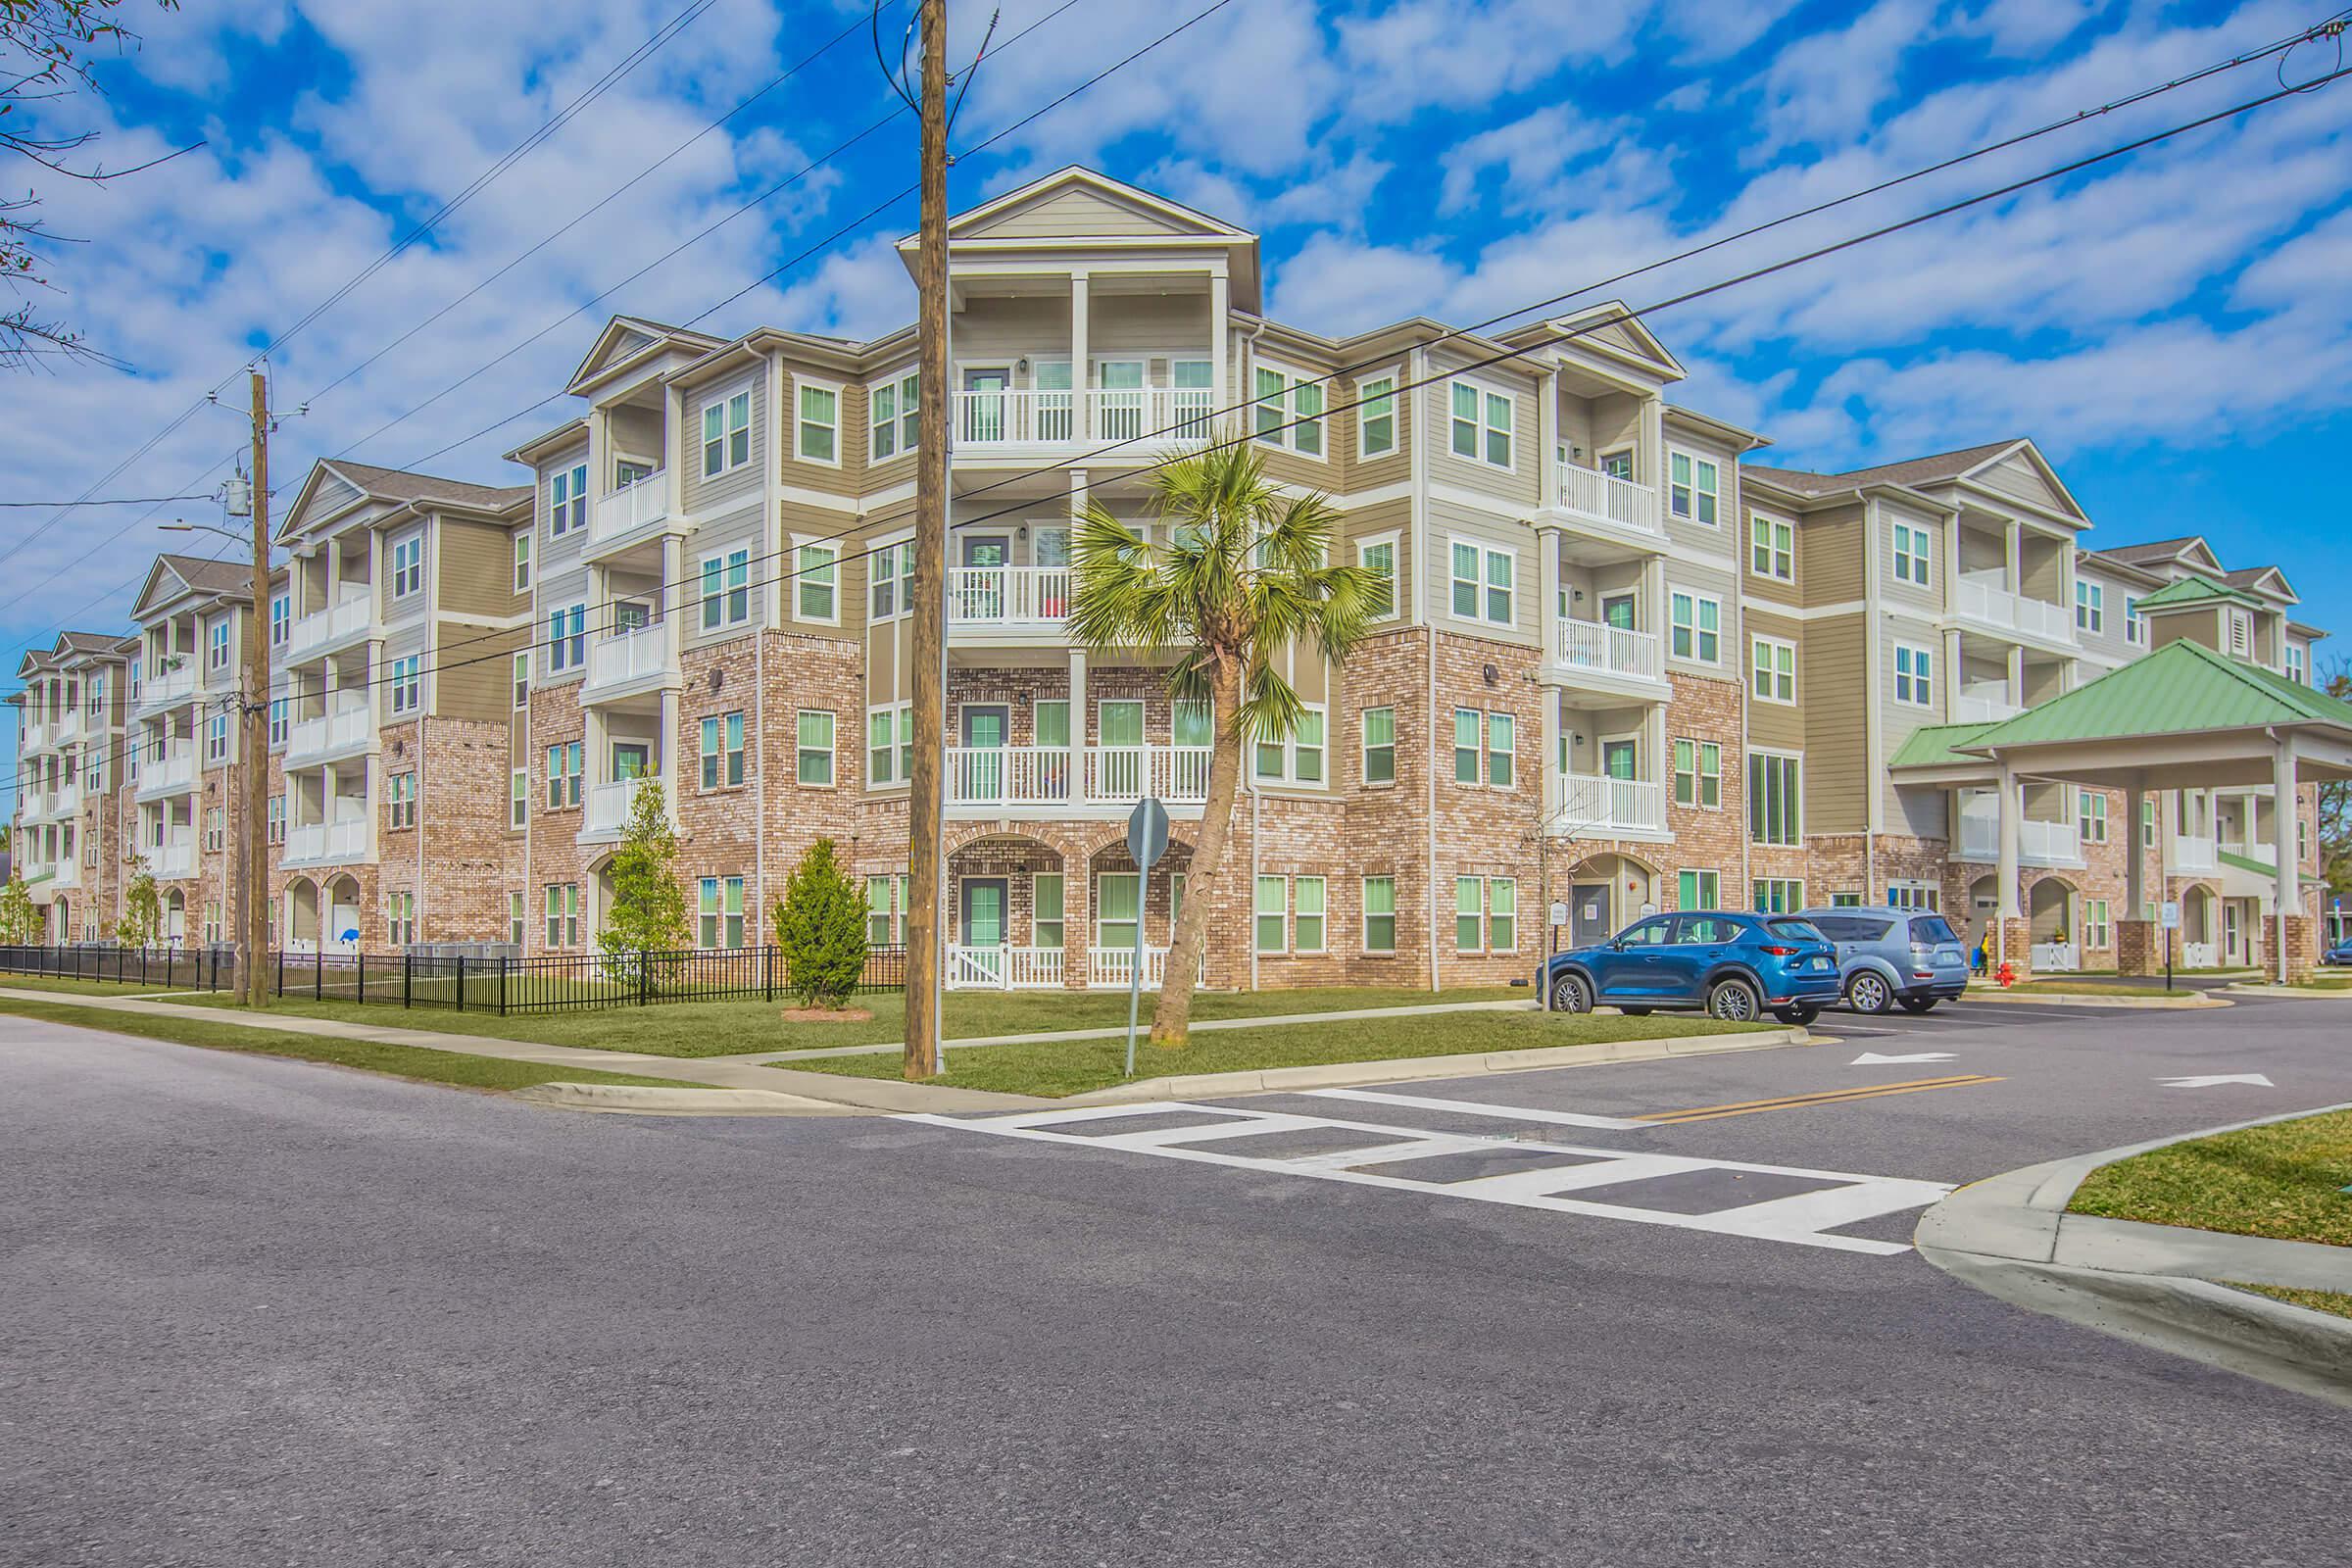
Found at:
[179, 968]
[558, 983]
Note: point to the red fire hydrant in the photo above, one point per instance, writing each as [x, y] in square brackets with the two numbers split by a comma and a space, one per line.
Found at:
[2007, 975]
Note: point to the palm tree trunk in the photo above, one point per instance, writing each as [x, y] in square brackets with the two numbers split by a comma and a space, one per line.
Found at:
[1171, 1017]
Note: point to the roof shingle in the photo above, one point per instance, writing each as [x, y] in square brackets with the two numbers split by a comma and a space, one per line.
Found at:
[1912, 470]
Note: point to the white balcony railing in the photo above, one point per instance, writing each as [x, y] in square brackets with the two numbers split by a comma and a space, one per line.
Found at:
[167, 687]
[174, 861]
[1062, 775]
[1986, 702]
[65, 799]
[1116, 775]
[348, 726]
[318, 632]
[1592, 806]
[1605, 497]
[66, 874]
[1004, 968]
[1152, 414]
[624, 511]
[1009, 776]
[315, 843]
[607, 810]
[1590, 645]
[67, 726]
[1985, 601]
[2039, 843]
[2193, 852]
[980, 596]
[36, 737]
[174, 770]
[632, 657]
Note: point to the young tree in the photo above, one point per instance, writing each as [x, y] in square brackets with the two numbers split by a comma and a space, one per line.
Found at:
[19, 917]
[820, 926]
[2335, 798]
[142, 918]
[1243, 573]
[647, 915]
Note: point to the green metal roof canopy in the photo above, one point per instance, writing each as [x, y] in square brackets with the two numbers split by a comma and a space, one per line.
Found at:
[2182, 718]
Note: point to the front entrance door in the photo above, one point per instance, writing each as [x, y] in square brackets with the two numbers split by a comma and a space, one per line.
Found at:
[2233, 933]
[982, 926]
[979, 774]
[981, 408]
[979, 592]
[1588, 913]
[1617, 609]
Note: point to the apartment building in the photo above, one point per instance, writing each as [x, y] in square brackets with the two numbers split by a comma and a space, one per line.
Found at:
[1623, 665]
[70, 828]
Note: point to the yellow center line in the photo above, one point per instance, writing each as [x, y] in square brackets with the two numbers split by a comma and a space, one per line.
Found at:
[1826, 1097]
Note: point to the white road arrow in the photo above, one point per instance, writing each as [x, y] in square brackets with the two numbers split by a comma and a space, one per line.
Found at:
[1870, 1058]
[2209, 1080]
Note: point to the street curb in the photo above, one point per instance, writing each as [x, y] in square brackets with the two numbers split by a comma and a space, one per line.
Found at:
[1357, 1074]
[645, 1101]
[2186, 1001]
[2291, 992]
[2160, 1285]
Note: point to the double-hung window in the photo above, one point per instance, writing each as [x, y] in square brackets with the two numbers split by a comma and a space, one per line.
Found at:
[1484, 583]
[1771, 548]
[1698, 890]
[282, 618]
[890, 745]
[281, 710]
[1913, 554]
[1775, 669]
[2298, 663]
[1378, 558]
[1380, 914]
[1273, 913]
[565, 762]
[2090, 606]
[726, 589]
[563, 915]
[2097, 931]
[726, 433]
[523, 563]
[408, 683]
[812, 729]
[1375, 415]
[2135, 630]
[816, 569]
[1306, 915]
[720, 913]
[215, 739]
[1295, 757]
[820, 423]
[217, 646]
[1466, 747]
[1775, 809]
[1914, 675]
[1698, 773]
[882, 917]
[1380, 746]
[523, 681]
[1045, 925]
[1774, 895]
[401, 792]
[567, 638]
[1694, 488]
[1288, 410]
[890, 408]
[517, 918]
[722, 751]
[518, 798]
[891, 579]
[2090, 816]
[407, 566]
[567, 499]
[1481, 423]
[1503, 758]
[1119, 906]
[1486, 914]
[275, 829]
[1696, 626]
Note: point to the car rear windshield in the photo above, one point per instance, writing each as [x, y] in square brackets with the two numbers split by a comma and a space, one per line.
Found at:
[1850, 927]
[1932, 930]
[1795, 930]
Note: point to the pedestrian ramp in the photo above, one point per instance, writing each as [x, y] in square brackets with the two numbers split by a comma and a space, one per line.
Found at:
[1781, 1203]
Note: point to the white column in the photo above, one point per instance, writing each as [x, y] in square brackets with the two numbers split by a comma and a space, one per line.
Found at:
[1220, 348]
[1548, 439]
[1955, 675]
[1547, 587]
[2133, 900]
[2013, 565]
[1077, 772]
[2282, 832]
[2005, 871]
[2016, 680]
[1080, 379]
[670, 601]
[1548, 700]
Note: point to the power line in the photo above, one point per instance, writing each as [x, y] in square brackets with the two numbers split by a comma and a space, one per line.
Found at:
[112, 500]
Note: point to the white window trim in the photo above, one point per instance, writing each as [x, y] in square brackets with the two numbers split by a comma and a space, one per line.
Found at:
[1289, 778]
[896, 780]
[1286, 436]
[1485, 391]
[1695, 459]
[1487, 551]
[1918, 681]
[1395, 376]
[1771, 550]
[801, 541]
[1921, 554]
[1363, 915]
[896, 383]
[1758, 643]
[901, 608]
[1698, 773]
[558, 642]
[1747, 783]
[799, 384]
[702, 569]
[524, 562]
[1721, 629]
[1395, 544]
[833, 781]
[1259, 912]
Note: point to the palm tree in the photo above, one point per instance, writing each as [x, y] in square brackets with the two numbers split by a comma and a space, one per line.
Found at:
[1241, 574]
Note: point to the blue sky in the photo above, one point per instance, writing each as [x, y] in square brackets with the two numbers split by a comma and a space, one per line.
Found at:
[2172, 329]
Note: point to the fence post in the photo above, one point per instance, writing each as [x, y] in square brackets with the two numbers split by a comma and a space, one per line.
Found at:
[319, 970]
[645, 976]
[768, 973]
[407, 976]
[501, 984]
[460, 982]
[281, 965]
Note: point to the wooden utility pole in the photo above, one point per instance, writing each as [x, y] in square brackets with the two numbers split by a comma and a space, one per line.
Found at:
[254, 746]
[924, 869]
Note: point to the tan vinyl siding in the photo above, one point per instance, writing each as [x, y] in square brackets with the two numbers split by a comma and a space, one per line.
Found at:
[1394, 467]
[743, 481]
[2016, 476]
[633, 433]
[805, 524]
[476, 562]
[1930, 597]
[1828, 551]
[1072, 214]
[1774, 724]
[1828, 666]
[1520, 485]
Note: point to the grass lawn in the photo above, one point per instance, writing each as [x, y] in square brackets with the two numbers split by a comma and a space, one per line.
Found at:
[725, 1028]
[91, 988]
[2335, 1301]
[398, 1061]
[1073, 1066]
[2071, 987]
[2279, 1181]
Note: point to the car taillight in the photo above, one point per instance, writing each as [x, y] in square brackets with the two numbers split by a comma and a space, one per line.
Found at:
[1783, 953]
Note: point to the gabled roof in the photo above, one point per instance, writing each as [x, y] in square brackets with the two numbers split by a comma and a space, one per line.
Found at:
[173, 575]
[2195, 589]
[399, 488]
[2265, 579]
[1936, 745]
[2181, 688]
[1913, 471]
[626, 335]
[1075, 193]
[86, 642]
[2188, 546]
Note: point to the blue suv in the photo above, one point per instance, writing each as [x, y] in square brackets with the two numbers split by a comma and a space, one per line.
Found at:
[1735, 966]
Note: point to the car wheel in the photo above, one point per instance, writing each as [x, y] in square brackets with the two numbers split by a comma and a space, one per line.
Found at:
[1733, 1001]
[1870, 993]
[1799, 1015]
[1917, 1004]
[1570, 994]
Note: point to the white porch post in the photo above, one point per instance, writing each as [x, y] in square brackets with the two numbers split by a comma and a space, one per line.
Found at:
[2283, 816]
[1955, 675]
[2005, 869]
[1547, 440]
[1547, 587]
[1080, 378]
[2015, 680]
[2134, 903]
[2013, 564]
[1220, 322]
[1077, 769]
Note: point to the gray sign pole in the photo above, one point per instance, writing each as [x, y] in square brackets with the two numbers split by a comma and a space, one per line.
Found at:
[1146, 842]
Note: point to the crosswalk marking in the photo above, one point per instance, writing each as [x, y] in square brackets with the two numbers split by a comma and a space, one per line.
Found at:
[1558, 1118]
[1802, 1220]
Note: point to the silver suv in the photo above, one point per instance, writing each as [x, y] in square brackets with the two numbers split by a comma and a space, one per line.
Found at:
[1888, 956]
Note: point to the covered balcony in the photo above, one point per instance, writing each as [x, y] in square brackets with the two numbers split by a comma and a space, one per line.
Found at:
[629, 514]
[169, 688]
[345, 729]
[345, 624]
[168, 770]
[1593, 498]
[631, 664]
[1043, 779]
[1606, 772]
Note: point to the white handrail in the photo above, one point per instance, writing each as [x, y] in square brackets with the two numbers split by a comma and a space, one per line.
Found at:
[1591, 803]
[1608, 498]
[639, 503]
[988, 595]
[1614, 650]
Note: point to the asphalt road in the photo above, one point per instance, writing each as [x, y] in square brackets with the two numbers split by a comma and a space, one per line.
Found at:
[264, 1312]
